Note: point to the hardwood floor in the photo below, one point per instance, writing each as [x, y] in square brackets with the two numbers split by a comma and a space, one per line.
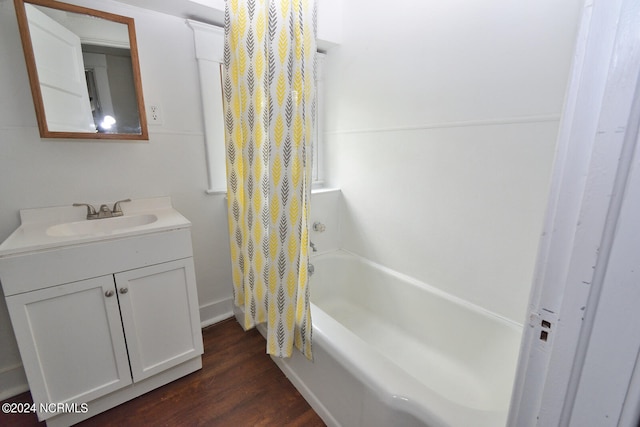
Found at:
[238, 385]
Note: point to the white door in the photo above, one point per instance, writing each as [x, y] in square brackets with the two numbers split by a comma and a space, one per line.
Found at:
[160, 314]
[575, 370]
[614, 344]
[58, 56]
[71, 341]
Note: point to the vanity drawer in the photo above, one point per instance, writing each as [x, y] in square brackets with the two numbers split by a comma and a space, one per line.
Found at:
[41, 269]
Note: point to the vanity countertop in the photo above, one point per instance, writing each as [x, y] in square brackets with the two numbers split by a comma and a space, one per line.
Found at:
[55, 227]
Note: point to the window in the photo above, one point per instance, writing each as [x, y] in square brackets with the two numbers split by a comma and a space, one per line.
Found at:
[209, 44]
[318, 152]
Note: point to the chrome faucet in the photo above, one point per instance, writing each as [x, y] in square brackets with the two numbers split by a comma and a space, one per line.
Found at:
[104, 211]
[91, 211]
[117, 210]
[313, 247]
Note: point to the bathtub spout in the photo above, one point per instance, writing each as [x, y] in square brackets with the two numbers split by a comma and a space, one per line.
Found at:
[313, 247]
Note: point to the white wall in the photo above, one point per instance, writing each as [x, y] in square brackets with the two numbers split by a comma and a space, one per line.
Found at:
[35, 172]
[441, 126]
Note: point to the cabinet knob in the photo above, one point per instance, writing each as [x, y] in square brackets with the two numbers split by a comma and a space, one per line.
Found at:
[108, 294]
[124, 290]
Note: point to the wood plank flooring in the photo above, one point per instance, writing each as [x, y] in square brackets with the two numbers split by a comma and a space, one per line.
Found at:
[238, 385]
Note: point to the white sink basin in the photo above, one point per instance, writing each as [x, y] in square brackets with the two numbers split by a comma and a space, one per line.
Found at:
[62, 226]
[100, 226]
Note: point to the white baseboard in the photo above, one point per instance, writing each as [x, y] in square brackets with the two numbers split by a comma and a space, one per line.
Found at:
[216, 311]
[305, 391]
[12, 381]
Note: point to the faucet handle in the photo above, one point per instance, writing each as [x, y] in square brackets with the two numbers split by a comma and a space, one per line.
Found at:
[319, 227]
[91, 211]
[117, 210]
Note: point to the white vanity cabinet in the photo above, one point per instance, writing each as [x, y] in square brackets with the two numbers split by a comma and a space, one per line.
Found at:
[104, 320]
[71, 341]
[159, 309]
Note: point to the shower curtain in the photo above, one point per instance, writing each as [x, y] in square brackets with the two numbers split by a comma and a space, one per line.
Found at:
[269, 104]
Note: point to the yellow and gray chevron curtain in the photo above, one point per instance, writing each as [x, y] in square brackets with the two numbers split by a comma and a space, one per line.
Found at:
[269, 104]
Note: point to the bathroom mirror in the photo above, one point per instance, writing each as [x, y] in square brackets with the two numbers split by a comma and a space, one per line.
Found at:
[83, 71]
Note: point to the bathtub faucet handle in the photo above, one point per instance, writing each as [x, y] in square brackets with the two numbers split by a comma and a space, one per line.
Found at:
[319, 227]
[313, 247]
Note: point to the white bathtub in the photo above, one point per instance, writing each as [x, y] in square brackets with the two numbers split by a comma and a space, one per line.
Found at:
[392, 351]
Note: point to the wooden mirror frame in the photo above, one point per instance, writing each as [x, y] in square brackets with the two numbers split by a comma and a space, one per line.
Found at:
[34, 81]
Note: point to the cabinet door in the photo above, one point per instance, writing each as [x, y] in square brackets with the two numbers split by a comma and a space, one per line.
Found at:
[71, 341]
[160, 314]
